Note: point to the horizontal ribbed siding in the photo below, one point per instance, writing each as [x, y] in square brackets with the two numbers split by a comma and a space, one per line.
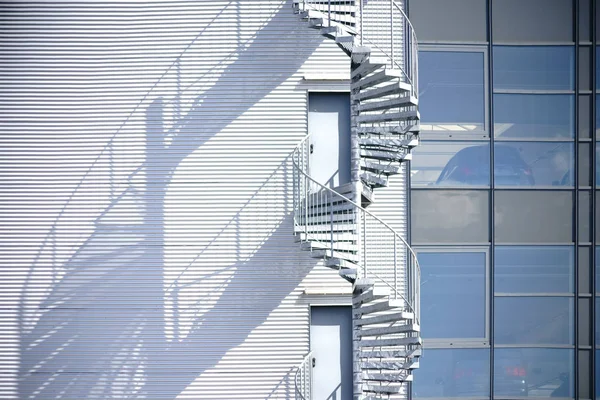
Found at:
[145, 229]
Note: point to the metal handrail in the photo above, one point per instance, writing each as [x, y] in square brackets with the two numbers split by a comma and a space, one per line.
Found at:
[312, 195]
[303, 378]
[404, 55]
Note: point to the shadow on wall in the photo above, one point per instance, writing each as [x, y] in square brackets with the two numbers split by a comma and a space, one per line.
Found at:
[118, 322]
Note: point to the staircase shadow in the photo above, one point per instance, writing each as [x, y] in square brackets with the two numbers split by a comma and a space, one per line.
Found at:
[110, 326]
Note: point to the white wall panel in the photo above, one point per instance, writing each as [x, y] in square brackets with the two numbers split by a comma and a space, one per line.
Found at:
[145, 230]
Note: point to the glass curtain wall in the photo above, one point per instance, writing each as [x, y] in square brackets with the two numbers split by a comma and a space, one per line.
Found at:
[503, 199]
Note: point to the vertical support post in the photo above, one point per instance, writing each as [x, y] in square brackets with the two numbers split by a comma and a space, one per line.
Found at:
[392, 31]
[329, 13]
[364, 241]
[360, 28]
[331, 221]
[395, 270]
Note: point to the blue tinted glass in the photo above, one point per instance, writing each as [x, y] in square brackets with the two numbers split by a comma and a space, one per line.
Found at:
[539, 320]
[534, 67]
[533, 116]
[533, 164]
[451, 164]
[598, 163]
[533, 269]
[453, 373]
[597, 67]
[452, 294]
[531, 372]
[597, 375]
[451, 89]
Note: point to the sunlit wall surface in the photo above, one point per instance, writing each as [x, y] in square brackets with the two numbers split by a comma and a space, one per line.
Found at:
[504, 199]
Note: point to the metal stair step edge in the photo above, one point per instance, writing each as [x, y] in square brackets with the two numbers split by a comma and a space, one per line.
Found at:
[324, 237]
[377, 307]
[385, 155]
[341, 263]
[401, 101]
[327, 208]
[379, 319]
[405, 354]
[389, 377]
[381, 388]
[348, 228]
[373, 180]
[408, 142]
[360, 94]
[325, 219]
[389, 342]
[396, 116]
[335, 254]
[404, 129]
[375, 293]
[376, 78]
[407, 328]
[368, 66]
[380, 168]
[318, 245]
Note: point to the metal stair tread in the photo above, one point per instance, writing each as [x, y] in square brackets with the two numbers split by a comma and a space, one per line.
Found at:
[389, 342]
[381, 91]
[386, 169]
[390, 354]
[376, 78]
[389, 304]
[380, 388]
[385, 155]
[316, 245]
[337, 227]
[374, 293]
[400, 101]
[381, 117]
[335, 254]
[405, 129]
[399, 316]
[373, 180]
[407, 328]
[400, 376]
[408, 142]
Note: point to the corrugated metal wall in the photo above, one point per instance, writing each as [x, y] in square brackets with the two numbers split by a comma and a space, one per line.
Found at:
[145, 236]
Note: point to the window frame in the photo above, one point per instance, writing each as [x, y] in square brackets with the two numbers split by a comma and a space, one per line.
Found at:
[439, 134]
[466, 343]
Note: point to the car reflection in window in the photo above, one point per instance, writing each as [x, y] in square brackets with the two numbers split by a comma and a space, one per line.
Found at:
[471, 166]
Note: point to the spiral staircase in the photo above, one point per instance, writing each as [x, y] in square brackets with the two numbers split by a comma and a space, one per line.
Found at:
[334, 224]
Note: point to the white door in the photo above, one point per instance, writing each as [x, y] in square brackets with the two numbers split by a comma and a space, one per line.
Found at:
[329, 127]
[331, 344]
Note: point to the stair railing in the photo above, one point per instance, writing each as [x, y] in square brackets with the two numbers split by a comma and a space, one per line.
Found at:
[303, 378]
[380, 24]
[332, 223]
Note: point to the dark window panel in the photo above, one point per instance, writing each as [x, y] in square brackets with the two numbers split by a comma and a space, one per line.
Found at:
[597, 321]
[597, 270]
[585, 216]
[584, 111]
[533, 216]
[452, 373]
[451, 163]
[540, 320]
[449, 20]
[533, 116]
[597, 370]
[532, 21]
[585, 20]
[597, 164]
[597, 60]
[583, 166]
[584, 276]
[451, 88]
[584, 322]
[584, 68]
[533, 372]
[533, 269]
[533, 164]
[534, 67]
[585, 374]
[598, 222]
[446, 216]
[453, 294]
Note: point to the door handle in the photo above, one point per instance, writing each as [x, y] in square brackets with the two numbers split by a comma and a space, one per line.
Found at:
[311, 148]
[314, 362]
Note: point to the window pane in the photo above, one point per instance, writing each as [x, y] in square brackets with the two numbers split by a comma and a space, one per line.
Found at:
[533, 216]
[597, 321]
[451, 164]
[531, 372]
[451, 88]
[450, 216]
[533, 164]
[453, 373]
[533, 116]
[534, 67]
[453, 294]
[539, 320]
[598, 164]
[533, 269]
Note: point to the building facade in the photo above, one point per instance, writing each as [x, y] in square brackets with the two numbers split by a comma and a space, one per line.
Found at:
[504, 200]
[147, 194]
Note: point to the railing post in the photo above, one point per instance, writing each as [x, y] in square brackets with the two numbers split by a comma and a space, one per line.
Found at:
[329, 13]
[392, 31]
[360, 29]
[331, 220]
[364, 241]
[395, 270]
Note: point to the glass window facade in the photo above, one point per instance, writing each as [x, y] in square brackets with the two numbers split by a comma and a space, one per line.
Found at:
[516, 181]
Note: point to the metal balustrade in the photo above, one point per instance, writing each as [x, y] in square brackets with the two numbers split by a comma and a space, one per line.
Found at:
[303, 378]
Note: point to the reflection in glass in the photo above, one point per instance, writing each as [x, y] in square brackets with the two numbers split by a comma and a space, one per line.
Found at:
[451, 164]
[453, 294]
[533, 269]
[450, 216]
[453, 373]
[451, 90]
[533, 163]
[534, 67]
[533, 372]
[533, 116]
[539, 320]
